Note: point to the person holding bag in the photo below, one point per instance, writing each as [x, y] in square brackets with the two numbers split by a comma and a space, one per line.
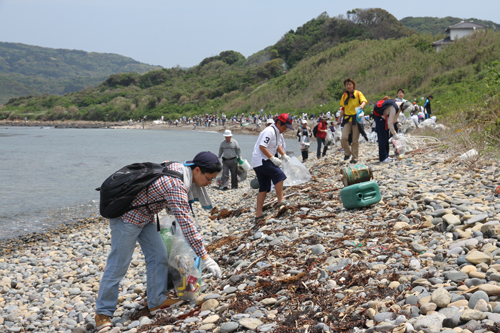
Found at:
[350, 100]
[386, 114]
[138, 225]
[304, 133]
[266, 165]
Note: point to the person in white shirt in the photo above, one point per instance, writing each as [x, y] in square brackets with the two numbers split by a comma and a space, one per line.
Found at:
[267, 165]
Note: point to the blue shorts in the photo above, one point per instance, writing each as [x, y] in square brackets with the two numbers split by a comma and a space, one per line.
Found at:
[266, 173]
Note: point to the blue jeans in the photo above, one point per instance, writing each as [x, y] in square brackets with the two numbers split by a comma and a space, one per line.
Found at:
[123, 239]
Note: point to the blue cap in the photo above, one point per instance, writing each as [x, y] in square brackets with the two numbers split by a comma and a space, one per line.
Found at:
[204, 159]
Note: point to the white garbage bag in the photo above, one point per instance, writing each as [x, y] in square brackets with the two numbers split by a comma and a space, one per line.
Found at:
[296, 173]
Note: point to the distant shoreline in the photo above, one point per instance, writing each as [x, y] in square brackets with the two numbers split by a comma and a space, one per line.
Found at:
[235, 128]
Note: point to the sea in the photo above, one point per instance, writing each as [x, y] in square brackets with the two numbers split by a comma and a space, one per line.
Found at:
[48, 176]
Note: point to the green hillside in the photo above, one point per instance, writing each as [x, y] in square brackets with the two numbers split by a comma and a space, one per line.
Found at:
[26, 69]
[463, 78]
[436, 26]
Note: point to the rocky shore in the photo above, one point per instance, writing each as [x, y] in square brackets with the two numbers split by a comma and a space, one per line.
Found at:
[426, 258]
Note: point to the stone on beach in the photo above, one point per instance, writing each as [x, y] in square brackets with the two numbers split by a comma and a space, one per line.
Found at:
[420, 260]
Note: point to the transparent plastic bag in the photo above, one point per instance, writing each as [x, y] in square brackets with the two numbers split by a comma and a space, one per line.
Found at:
[218, 180]
[337, 136]
[399, 146]
[242, 173]
[305, 142]
[185, 267]
[244, 164]
[296, 173]
[329, 138]
[166, 231]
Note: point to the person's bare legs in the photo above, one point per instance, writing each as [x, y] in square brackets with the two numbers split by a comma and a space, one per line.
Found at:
[261, 197]
[279, 191]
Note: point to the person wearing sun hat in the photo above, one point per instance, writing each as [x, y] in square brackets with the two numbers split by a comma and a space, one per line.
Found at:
[230, 151]
[138, 225]
[266, 165]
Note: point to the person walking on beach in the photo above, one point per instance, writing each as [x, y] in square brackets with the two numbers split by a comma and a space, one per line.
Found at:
[138, 225]
[230, 151]
[351, 99]
[427, 107]
[266, 165]
[304, 134]
[321, 136]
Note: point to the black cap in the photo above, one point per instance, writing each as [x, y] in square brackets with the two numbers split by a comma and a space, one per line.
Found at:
[204, 159]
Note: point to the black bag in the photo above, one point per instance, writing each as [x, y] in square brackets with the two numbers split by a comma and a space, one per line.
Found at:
[120, 189]
[315, 130]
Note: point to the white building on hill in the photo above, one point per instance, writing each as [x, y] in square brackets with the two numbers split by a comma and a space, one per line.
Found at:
[457, 31]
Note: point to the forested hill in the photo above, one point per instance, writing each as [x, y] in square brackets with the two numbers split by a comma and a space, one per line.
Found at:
[27, 69]
[302, 72]
[436, 26]
[326, 32]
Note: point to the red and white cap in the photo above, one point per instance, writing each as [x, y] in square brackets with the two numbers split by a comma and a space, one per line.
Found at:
[286, 119]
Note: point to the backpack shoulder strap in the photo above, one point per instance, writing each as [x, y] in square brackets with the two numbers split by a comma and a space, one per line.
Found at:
[173, 173]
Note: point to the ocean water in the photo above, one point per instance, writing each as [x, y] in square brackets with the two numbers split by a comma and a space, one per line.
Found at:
[48, 176]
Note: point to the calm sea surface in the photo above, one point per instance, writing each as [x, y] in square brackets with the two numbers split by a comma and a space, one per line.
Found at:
[48, 176]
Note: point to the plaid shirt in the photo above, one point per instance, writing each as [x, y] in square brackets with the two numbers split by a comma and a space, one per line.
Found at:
[175, 193]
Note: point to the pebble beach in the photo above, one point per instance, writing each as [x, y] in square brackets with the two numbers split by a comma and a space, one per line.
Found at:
[426, 258]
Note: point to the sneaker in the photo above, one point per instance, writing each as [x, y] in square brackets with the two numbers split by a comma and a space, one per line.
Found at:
[165, 305]
[223, 188]
[353, 161]
[346, 157]
[387, 160]
[102, 321]
[283, 204]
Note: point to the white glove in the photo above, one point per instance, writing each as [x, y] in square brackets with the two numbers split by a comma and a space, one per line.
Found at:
[286, 158]
[395, 137]
[276, 161]
[212, 267]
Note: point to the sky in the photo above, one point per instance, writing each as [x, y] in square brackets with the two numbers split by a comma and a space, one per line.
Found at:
[184, 32]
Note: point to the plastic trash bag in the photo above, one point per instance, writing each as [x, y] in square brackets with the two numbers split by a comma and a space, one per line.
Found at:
[166, 231]
[360, 115]
[296, 173]
[305, 142]
[329, 138]
[242, 173]
[337, 136]
[218, 180]
[185, 267]
[399, 146]
[244, 164]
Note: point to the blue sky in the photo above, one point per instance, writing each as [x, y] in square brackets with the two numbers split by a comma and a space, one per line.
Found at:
[184, 32]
